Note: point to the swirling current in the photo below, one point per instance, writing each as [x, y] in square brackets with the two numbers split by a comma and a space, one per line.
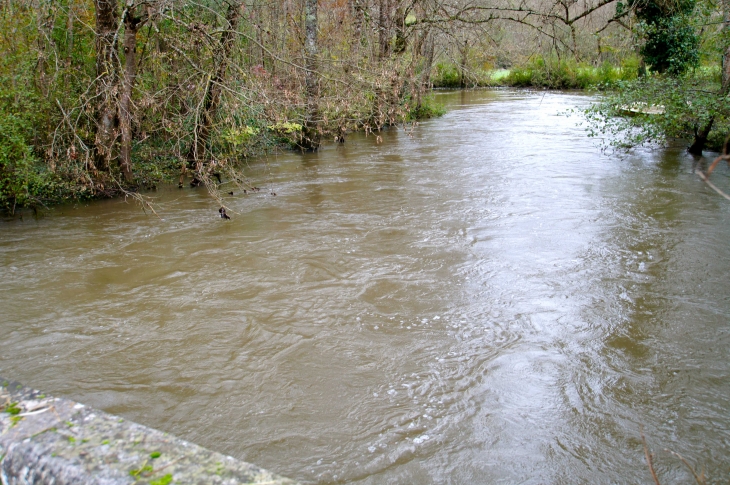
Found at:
[486, 297]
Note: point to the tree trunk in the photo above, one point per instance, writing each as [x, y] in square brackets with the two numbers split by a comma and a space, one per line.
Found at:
[701, 137]
[131, 27]
[462, 65]
[726, 69]
[384, 28]
[213, 91]
[275, 35]
[726, 56]
[400, 30]
[44, 26]
[106, 82]
[311, 136]
[356, 10]
[425, 78]
[70, 34]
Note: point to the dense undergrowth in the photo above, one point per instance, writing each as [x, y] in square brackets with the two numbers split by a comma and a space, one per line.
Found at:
[52, 91]
[28, 181]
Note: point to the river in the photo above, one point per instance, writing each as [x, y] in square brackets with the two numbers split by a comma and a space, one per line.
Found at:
[485, 298]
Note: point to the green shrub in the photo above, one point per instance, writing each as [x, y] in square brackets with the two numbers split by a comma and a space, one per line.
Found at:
[24, 180]
[447, 76]
[428, 109]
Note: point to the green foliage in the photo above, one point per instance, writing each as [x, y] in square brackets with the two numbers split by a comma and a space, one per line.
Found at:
[286, 127]
[671, 44]
[239, 136]
[650, 10]
[682, 97]
[36, 75]
[446, 76]
[684, 104]
[24, 180]
[287, 133]
[427, 109]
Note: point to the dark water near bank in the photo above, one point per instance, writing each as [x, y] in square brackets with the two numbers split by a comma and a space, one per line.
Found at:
[488, 299]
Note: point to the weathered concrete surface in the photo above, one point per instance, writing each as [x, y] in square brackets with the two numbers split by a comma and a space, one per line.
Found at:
[47, 440]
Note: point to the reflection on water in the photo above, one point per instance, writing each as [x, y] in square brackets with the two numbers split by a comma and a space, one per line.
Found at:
[488, 298]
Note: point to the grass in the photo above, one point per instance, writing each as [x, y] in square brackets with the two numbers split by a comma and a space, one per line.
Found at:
[541, 72]
[568, 74]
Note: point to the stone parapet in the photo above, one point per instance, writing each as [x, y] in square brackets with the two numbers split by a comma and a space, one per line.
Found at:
[54, 441]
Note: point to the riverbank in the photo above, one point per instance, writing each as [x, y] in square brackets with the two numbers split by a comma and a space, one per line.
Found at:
[552, 73]
[29, 182]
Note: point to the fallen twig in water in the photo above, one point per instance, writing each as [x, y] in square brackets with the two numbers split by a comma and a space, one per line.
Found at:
[700, 479]
[649, 457]
[711, 185]
[706, 176]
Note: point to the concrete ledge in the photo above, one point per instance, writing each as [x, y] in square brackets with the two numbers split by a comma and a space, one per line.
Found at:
[47, 440]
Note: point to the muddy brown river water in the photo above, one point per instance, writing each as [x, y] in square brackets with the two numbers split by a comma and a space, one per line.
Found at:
[487, 299]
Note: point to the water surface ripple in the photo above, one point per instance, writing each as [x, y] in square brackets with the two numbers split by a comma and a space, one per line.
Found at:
[488, 298]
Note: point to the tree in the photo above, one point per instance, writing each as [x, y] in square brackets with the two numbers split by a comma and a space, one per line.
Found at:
[213, 90]
[678, 101]
[107, 62]
[702, 132]
[133, 21]
[125, 91]
[671, 44]
[311, 136]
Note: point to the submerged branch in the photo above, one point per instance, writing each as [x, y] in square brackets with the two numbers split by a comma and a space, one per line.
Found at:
[706, 176]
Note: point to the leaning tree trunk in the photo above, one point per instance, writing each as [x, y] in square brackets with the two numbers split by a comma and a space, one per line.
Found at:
[204, 125]
[131, 27]
[106, 81]
[703, 132]
[311, 136]
[701, 135]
